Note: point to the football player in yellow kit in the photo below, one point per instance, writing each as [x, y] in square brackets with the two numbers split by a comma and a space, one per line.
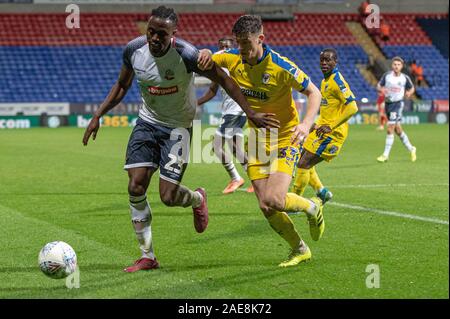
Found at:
[331, 128]
[267, 80]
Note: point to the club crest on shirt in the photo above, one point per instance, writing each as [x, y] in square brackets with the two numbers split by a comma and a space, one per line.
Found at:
[333, 149]
[265, 78]
[169, 75]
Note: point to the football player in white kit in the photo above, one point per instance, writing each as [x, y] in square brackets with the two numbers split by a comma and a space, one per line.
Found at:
[163, 66]
[230, 130]
[396, 86]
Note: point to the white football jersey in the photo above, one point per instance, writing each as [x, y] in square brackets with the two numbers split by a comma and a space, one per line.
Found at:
[166, 83]
[395, 86]
[229, 106]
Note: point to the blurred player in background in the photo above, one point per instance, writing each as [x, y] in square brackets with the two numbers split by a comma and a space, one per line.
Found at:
[396, 86]
[267, 80]
[164, 67]
[330, 131]
[382, 119]
[230, 130]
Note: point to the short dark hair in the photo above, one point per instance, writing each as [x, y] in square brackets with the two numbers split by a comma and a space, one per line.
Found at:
[248, 24]
[165, 13]
[397, 58]
[335, 54]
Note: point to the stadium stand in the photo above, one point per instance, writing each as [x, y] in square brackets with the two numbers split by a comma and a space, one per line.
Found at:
[411, 42]
[42, 61]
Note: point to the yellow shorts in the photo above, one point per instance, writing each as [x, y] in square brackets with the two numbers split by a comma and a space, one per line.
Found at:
[327, 147]
[284, 160]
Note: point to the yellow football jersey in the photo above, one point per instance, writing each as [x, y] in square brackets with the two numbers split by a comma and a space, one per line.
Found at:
[336, 95]
[267, 85]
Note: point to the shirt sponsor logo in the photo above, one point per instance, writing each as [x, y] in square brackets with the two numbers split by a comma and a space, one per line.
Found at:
[255, 94]
[154, 90]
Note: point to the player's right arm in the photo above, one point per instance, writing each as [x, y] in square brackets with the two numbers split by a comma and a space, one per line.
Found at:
[409, 87]
[211, 93]
[217, 75]
[381, 84]
[115, 96]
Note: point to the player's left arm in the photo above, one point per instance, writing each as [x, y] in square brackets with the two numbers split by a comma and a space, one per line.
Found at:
[346, 96]
[409, 87]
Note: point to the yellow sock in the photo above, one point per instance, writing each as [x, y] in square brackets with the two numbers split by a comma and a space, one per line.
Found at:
[301, 181]
[296, 203]
[283, 225]
[314, 180]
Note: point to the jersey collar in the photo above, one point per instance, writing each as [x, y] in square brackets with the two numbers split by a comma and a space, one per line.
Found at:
[334, 71]
[266, 51]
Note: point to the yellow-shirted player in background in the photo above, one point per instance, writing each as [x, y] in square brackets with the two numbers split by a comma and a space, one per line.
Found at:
[330, 129]
[267, 80]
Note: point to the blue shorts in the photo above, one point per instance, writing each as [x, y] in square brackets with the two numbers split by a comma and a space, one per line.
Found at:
[157, 146]
[231, 125]
[394, 111]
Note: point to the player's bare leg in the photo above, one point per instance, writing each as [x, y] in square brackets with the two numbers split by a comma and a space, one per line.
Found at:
[141, 217]
[237, 145]
[227, 162]
[178, 195]
[272, 201]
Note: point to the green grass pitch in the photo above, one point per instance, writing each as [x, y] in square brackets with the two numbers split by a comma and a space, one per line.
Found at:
[53, 188]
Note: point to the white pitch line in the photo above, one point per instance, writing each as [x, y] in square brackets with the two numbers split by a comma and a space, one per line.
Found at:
[390, 213]
[384, 185]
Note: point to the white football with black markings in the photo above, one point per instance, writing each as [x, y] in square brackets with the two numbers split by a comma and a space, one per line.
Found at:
[57, 260]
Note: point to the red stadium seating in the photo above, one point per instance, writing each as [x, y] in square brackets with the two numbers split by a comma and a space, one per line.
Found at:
[404, 30]
[205, 29]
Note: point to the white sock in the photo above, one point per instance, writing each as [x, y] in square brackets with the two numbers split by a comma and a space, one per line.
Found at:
[141, 218]
[232, 171]
[197, 200]
[405, 141]
[312, 209]
[388, 146]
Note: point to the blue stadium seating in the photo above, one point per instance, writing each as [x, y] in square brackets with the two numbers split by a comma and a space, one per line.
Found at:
[437, 30]
[86, 73]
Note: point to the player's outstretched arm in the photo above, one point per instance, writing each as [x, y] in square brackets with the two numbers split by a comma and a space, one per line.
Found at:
[301, 131]
[117, 93]
[211, 93]
[349, 110]
[267, 120]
